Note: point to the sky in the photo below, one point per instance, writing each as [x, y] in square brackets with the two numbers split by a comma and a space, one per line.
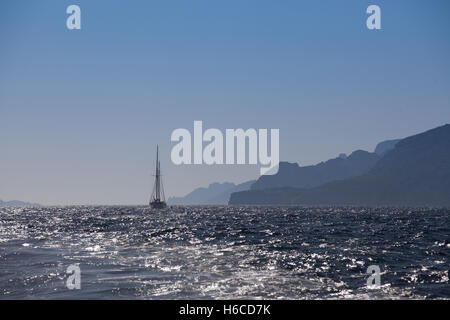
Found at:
[81, 111]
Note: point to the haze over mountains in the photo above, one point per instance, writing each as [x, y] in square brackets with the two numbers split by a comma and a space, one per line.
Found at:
[385, 146]
[414, 171]
[214, 194]
[290, 174]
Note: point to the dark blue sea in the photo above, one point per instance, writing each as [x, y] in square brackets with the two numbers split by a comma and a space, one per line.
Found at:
[224, 252]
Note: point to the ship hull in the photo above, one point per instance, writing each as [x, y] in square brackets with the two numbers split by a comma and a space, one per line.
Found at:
[158, 205]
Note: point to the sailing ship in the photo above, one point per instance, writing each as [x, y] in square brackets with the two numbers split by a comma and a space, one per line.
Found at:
[157, 200]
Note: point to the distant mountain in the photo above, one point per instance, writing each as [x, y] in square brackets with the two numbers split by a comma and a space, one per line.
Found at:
[385, 146]
[16, 203]
[416, 172]
[224, 197]
[342, 167]
[215, 193]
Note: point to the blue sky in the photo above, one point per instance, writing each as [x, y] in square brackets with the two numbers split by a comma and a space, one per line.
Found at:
[81, 111]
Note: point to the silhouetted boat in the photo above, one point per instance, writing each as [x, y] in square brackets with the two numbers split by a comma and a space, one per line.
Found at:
[157, 200]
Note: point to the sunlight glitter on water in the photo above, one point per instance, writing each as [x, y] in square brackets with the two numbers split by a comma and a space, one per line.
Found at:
[224, 252]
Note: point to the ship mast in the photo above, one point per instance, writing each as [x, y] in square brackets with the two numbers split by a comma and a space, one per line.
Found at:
[158, 199]
[158, 175]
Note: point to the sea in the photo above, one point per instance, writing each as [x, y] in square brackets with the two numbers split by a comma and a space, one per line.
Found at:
[224, 252]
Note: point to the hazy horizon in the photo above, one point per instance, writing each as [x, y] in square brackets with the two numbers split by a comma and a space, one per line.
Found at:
[200, 186]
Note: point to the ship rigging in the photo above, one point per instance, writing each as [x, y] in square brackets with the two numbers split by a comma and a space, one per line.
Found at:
[157, 200]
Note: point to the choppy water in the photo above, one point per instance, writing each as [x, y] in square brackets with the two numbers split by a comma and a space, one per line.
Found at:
[224, 252]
